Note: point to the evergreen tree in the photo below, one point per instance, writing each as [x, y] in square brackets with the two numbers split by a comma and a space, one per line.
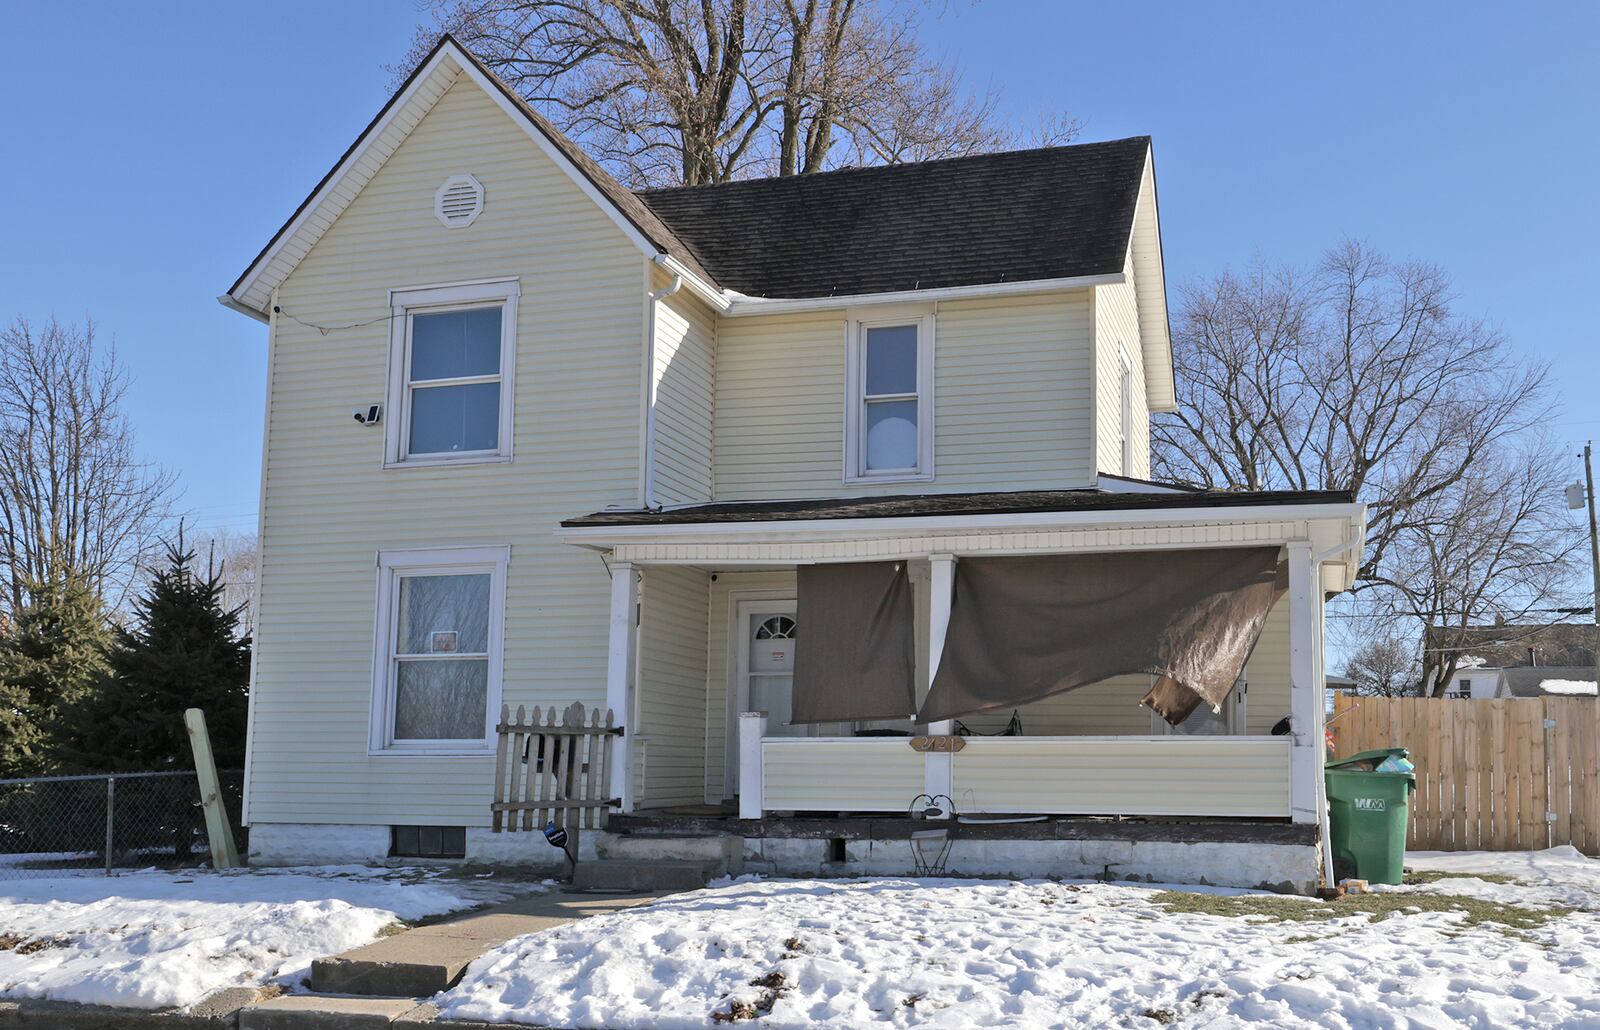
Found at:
[53, 659]
[184, 651]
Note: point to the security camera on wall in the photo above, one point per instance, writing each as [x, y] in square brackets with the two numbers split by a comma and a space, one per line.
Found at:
[371, 416]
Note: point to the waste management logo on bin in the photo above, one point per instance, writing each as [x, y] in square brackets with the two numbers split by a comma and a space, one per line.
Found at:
[1371, 805]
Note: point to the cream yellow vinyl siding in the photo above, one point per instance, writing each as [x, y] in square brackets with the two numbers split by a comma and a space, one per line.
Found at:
[854, 774]
[329, 506]
[685, 370]
[669, 738]
[1192, 776]
[722, 654]
[1013, 400]
[1116, 320]
[1268, 673]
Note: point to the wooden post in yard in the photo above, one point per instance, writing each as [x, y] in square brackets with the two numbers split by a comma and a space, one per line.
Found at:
[224, 854]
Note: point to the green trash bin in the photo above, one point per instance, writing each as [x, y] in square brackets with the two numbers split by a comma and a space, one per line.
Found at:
[1367, 814]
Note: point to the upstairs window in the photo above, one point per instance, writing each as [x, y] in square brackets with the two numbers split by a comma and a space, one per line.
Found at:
[450, 373]
[889, 410]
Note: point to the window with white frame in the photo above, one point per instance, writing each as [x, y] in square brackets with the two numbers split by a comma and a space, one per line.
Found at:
[889, 406]
[437, 659]
[450, 373]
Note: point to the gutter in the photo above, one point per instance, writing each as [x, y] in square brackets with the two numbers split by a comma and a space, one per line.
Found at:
[737, 304]
[602, 537]
[656, 297]
[717, 298]
[227, 301]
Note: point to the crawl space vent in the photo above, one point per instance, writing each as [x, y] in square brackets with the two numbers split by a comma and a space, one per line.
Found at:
[459, 201]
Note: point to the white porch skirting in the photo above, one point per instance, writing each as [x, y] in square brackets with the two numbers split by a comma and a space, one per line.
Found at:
[1244, 777]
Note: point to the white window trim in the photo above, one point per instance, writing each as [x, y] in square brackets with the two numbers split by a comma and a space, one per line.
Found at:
[1125, 388]
[444, 297]
[394, 565]
[856, 325]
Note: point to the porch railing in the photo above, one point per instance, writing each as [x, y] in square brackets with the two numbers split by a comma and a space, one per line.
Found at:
[1233, 776]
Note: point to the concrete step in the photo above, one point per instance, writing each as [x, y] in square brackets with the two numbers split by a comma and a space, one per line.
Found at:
[322, 1012]
[643, 875]
[430, 959]
[725, 854]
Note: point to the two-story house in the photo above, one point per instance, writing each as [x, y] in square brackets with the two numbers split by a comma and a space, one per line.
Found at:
[795, 476]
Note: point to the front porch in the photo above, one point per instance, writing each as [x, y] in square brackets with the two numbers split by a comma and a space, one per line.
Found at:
[704, 628]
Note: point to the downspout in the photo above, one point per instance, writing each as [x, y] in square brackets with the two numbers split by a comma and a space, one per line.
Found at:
[650, 386]
[1322, 781]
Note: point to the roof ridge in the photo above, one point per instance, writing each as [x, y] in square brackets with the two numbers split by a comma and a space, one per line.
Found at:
[885, 168]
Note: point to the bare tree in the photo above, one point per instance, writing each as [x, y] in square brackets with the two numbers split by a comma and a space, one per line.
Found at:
[670, 92]
[232, 556]
[1385, 665]
[76, 503]
[1356, 376]
[1500, 544]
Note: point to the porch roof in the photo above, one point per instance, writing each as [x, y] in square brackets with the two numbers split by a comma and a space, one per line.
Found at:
[1023, 502]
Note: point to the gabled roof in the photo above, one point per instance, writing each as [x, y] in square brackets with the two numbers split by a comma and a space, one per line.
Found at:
[1026, 215]
[447, 61]
[1508, 645]
[1016, 221]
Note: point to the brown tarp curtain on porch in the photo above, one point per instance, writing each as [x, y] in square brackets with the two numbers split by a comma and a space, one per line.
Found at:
[1022, 629]
[857, 653]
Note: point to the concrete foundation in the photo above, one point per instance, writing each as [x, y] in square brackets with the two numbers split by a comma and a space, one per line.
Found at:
[277, 844]
[291, 844]
[1285, 868]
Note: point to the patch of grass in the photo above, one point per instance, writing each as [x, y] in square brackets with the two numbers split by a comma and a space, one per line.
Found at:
[1417, 877]
[1512, 919]
[393, 929]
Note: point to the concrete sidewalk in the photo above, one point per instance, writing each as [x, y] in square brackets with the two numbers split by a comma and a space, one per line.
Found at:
[429, 959]
[378, 985]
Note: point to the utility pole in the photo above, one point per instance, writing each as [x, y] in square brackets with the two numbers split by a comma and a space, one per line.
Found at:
[1594, 552]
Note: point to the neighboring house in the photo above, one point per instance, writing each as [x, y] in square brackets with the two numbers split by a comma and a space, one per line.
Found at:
[1472, 680]
[1507, 645]
[1546, 681]
[1482, 653]
[1334, 684]
[629, 448]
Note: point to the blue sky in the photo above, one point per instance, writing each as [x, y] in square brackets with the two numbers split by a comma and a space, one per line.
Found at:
[157, 149]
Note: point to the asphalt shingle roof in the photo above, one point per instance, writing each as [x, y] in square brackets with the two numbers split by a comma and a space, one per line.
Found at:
[1528, 680]
[989, 503]
[1050, 213]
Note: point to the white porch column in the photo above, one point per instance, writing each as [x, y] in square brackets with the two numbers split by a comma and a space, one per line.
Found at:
[620, 664]
[752, 727]
[938, 766]
[1305, 678]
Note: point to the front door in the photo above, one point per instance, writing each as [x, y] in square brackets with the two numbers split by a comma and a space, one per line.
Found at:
[771, 636]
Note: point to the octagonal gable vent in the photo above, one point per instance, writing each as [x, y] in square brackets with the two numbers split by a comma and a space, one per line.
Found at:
[458, 202]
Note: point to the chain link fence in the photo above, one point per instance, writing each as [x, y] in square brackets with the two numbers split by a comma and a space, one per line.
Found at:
[75, 824]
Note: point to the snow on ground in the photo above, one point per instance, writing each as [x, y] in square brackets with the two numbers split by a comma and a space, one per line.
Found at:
[968, 953]
[1559, 876]
[156, 939]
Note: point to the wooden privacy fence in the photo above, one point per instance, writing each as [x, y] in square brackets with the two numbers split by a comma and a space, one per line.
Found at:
[547, 770]
[1501, 774]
